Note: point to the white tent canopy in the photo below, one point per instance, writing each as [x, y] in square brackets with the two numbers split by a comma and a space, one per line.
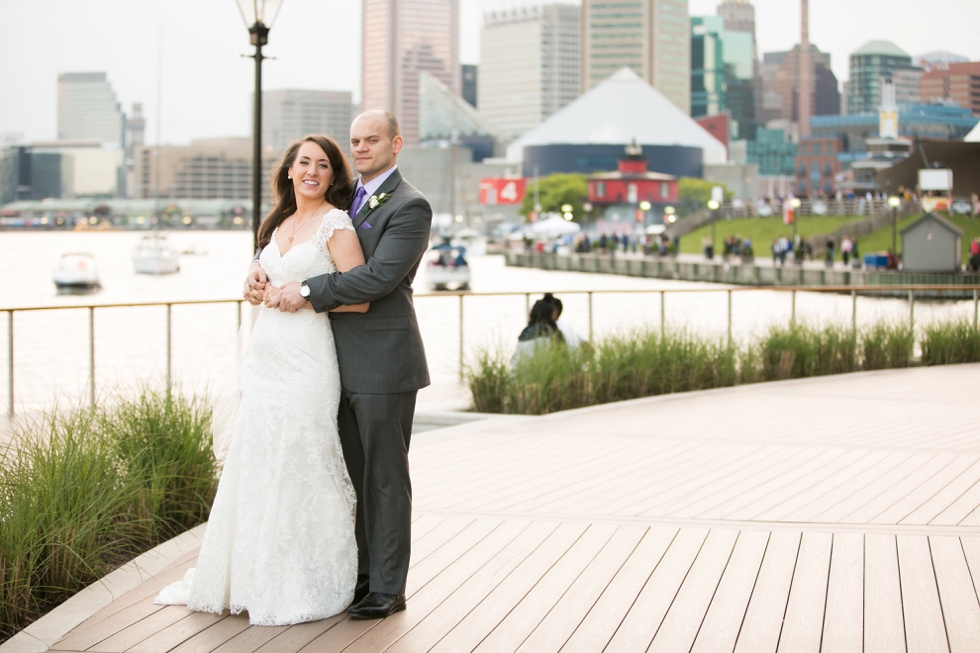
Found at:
[554, 226]
[619, 110]
[974, 135]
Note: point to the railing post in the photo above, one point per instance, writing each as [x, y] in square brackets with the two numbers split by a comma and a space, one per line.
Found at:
[527, 305]
[729, 318]
[912, 309]
[460, 337]
[10, 362]
[663, 314]
[854, 312]
[792, 315]
[239, 304]
[975, 297]
[591, 338]
[169, 350]
[91, 354]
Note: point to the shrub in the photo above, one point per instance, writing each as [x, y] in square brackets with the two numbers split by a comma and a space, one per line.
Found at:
[949, 343]
[886, 346]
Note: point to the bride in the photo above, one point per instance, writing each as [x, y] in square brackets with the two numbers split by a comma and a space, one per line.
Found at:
[280, 539]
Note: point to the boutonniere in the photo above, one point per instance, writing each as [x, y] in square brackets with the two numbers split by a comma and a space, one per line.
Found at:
[377, 200]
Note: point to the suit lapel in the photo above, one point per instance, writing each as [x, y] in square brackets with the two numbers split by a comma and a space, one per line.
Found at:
[389, 185]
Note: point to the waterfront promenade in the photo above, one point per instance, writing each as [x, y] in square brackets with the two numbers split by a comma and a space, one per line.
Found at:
[835, 514]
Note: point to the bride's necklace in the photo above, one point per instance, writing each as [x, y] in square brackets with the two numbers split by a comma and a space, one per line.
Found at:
[299, 225]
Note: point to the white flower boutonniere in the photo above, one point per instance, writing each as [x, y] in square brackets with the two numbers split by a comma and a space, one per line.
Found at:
[377, 200]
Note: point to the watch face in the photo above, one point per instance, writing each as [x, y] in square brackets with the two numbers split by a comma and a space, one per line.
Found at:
[304, 291]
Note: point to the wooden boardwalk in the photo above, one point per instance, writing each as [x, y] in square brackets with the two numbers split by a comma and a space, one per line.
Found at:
[836, 514]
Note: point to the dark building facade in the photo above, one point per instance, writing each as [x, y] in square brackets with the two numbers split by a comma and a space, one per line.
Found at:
[29, 175]
[469, 73]
[781, 81]
[817, 164]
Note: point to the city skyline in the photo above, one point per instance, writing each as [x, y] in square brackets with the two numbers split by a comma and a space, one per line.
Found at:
[206, 84]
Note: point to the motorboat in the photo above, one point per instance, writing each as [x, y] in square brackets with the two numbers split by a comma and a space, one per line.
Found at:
[471, 239]
[446, 268]
[77, 272]
[153, 255]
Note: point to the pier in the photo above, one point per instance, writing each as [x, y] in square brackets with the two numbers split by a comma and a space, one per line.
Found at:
[834, 514]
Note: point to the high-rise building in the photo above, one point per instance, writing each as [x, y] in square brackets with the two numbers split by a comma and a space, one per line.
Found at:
[652, 37]
[469, 77]
[723, 66]
[289, 115]
[399, 39]
[87, 109]
[707, 67]
[781, 82]
[869, 64]
[955, 81]
[529, 66]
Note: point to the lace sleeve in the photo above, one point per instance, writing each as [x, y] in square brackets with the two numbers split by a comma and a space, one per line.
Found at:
[332, 221]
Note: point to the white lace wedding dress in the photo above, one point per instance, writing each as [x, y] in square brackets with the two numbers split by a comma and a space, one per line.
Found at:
[280, 538]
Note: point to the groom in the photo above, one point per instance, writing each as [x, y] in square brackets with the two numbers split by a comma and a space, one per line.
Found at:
[381, 357]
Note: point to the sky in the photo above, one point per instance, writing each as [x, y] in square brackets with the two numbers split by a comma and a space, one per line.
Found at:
[193, 49]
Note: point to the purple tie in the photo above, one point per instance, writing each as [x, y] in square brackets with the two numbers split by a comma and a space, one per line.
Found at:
[358, 200]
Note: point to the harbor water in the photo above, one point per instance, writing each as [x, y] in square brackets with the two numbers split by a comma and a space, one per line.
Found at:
[51, 348]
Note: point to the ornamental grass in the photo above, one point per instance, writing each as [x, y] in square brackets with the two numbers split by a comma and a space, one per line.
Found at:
[83, 490]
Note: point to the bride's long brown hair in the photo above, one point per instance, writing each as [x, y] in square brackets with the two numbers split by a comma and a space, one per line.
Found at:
[283, 195]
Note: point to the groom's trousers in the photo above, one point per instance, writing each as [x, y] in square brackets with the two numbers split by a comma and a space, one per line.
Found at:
[375, 431]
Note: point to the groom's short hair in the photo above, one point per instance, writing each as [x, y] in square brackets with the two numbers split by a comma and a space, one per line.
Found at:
[393, 128]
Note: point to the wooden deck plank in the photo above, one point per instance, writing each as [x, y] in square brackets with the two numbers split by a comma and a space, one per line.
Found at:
[956, 489]
[135, 633]
[914, 498]
[767, 605]
[850, 495]
[210, 639]
[843, 626]
[925, 629]
[971, 551]
[526, 615]
[559, 624]
[177, 633]
[686, 614]
[892, 488]
[644, 618]
[599, 625]
[105, 620]
[957, 596]
[296, 637]
[721, 624]
[250, 639]
[432, 627]
[961, 510]
[500, 601]
[90, 633]
[803, 624]
[429, 585]
[884, 621]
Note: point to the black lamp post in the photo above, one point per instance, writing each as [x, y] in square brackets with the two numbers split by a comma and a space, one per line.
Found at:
[713, 206]
[258, 16]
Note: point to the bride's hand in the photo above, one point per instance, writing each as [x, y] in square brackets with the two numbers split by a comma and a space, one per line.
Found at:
[256, 284]
[271, 296]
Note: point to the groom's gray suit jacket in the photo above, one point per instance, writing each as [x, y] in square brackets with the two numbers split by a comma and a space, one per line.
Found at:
[381, 351]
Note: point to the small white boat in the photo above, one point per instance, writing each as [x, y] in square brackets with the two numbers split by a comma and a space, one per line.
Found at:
[77, 271]
[153, 255]
[447, 269]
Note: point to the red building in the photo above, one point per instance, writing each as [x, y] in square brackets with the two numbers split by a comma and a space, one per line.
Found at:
[632, 184]
[817, 165]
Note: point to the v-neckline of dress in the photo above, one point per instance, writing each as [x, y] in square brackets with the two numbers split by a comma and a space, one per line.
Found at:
[302, 242]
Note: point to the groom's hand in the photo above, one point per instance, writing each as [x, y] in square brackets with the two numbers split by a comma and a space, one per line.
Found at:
[289, 300]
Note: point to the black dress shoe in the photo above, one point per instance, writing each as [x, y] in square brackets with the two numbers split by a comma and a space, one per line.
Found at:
[362, 589]
[377, 606]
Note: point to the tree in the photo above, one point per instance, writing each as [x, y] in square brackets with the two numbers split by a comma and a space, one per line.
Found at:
[694, 193]
[556, 190]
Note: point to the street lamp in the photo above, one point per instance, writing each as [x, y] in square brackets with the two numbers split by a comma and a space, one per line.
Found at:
[669, 213]
[893, 202]
[713, 205]
[795, 203]
[258, 16]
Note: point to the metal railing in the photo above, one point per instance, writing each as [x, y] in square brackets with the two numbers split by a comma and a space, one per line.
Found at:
[854, 291]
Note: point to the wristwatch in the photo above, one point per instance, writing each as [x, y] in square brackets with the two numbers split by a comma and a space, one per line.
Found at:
[304, 290]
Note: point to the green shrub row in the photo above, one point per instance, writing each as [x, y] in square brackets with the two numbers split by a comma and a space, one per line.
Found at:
[643, 364]
[83, 490]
